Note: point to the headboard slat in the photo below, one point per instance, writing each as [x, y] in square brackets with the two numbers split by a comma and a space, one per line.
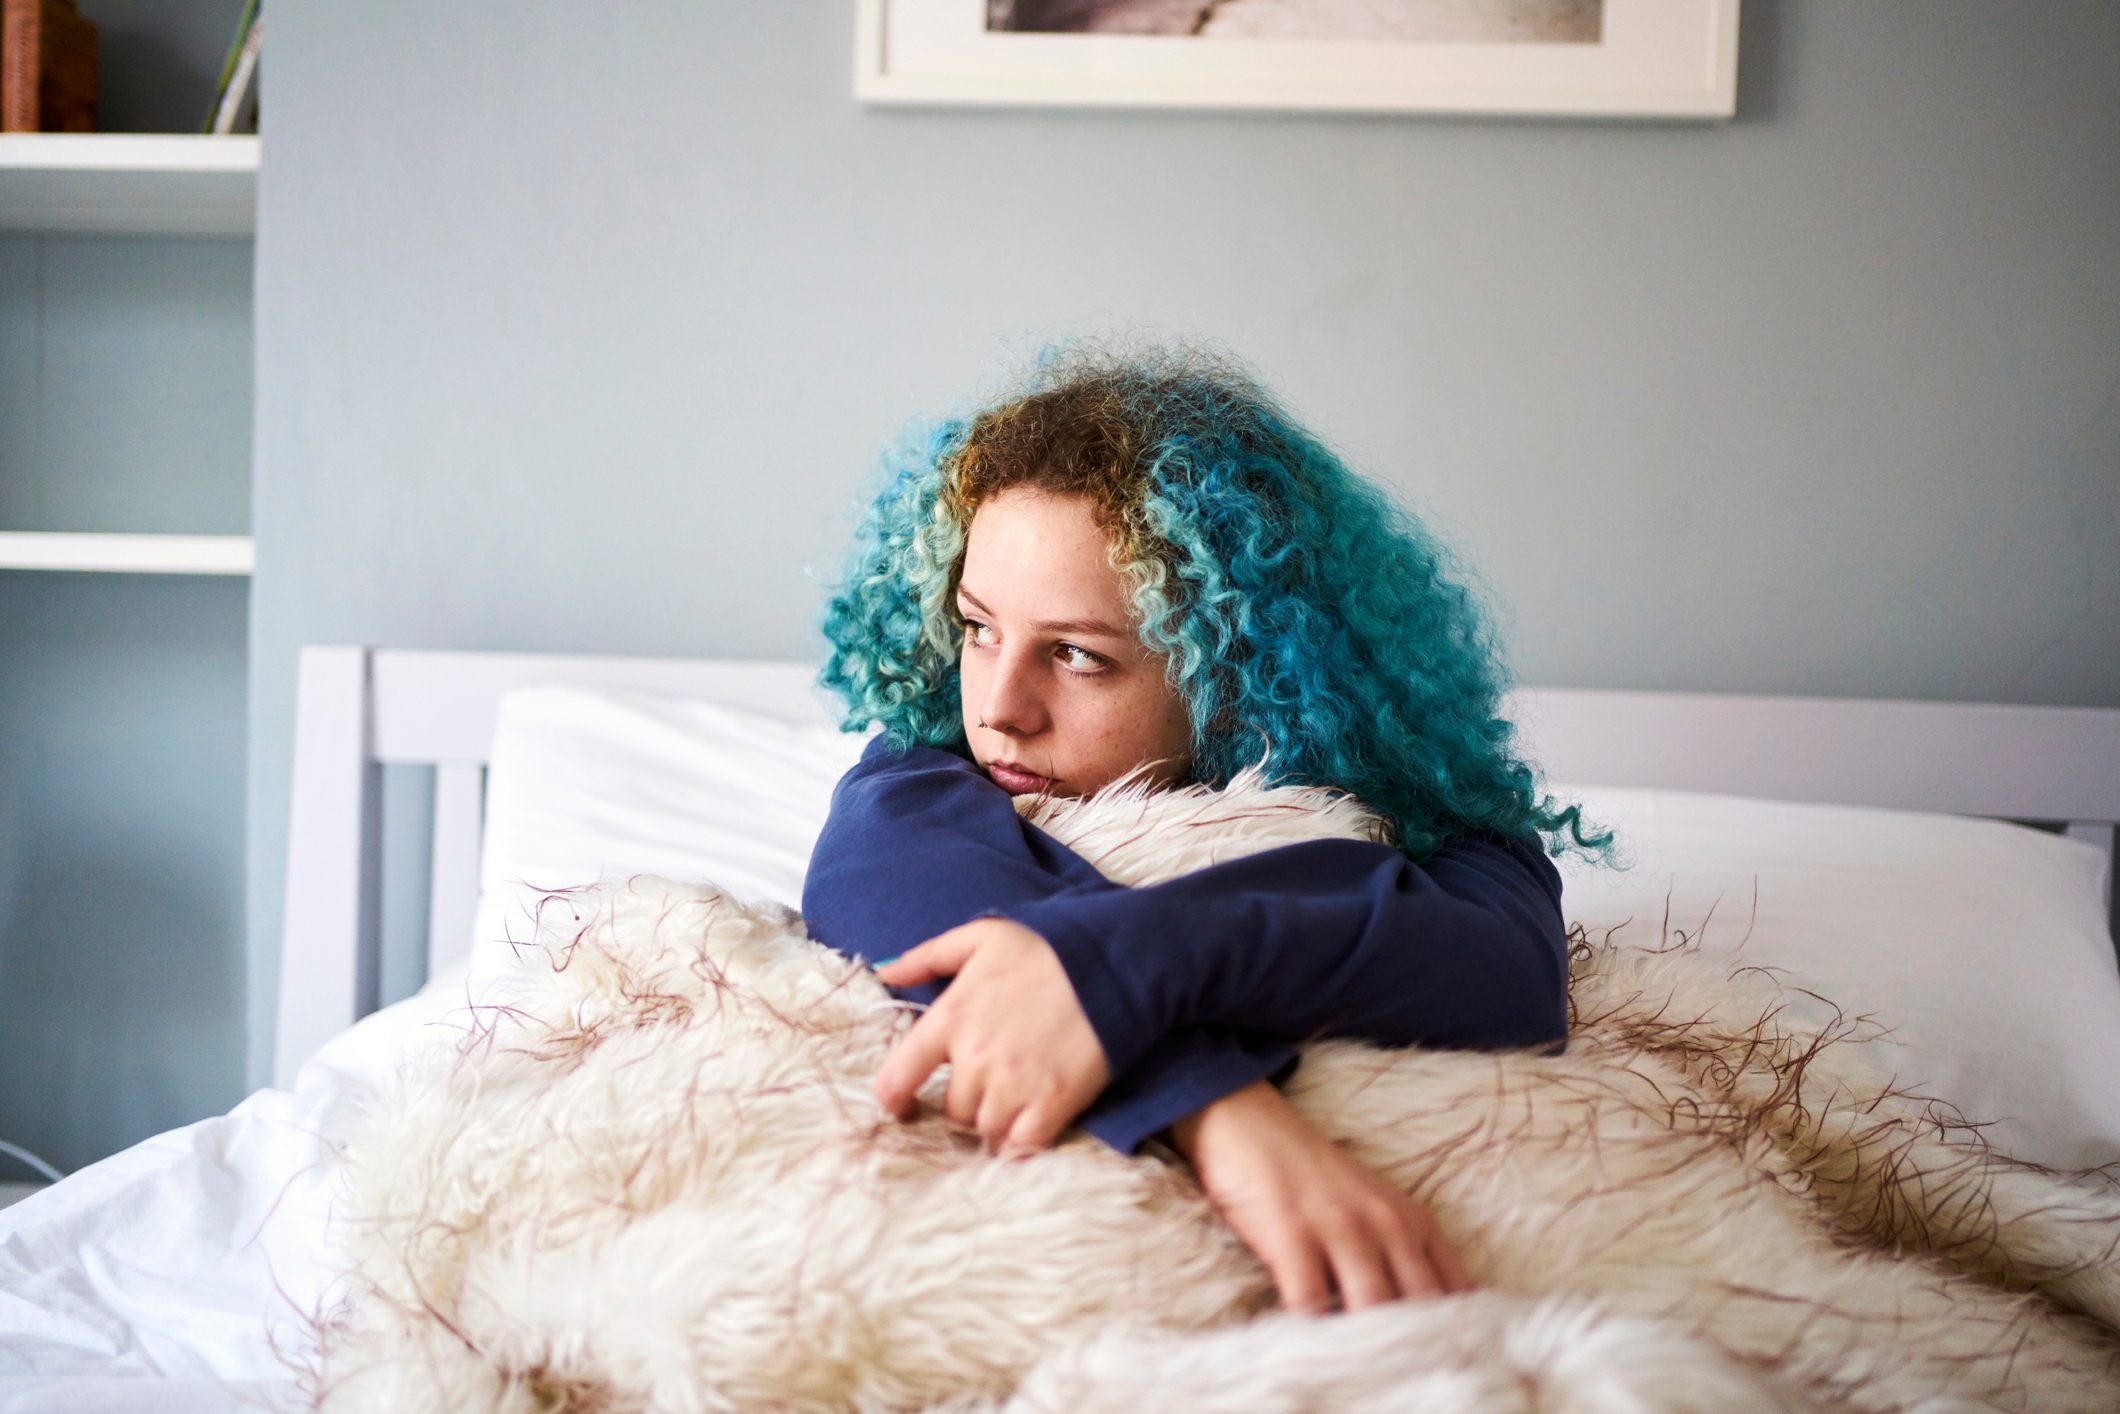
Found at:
[328, 954]
[452, 894]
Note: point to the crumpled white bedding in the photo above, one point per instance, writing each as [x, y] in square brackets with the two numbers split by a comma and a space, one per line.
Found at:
[161, 1278]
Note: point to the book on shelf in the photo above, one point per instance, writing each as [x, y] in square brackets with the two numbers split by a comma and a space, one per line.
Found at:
[235, 98]
[48, 67]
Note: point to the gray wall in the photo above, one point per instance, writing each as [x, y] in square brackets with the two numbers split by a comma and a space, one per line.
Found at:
[121, 858]
[125, 405]
[578, 325]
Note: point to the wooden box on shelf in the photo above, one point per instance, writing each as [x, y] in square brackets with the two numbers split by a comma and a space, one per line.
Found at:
[48, 68]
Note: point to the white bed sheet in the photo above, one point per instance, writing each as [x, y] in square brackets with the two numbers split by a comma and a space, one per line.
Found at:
[163, 1277]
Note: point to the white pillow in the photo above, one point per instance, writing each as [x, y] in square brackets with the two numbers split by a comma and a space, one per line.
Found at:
[586, 784]
[1983, 946]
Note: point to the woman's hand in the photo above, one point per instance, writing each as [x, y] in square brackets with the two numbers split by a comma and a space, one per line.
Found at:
[1023, 1058]
[1320, 1220]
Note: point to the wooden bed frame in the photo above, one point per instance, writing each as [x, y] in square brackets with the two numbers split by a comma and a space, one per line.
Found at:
[358, 709]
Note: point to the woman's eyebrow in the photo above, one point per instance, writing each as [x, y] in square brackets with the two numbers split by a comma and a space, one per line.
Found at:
[1095, 627]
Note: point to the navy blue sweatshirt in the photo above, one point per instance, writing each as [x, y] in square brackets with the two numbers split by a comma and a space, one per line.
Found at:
[1200, 985]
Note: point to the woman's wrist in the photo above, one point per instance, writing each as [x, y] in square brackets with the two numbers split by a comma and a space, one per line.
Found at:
[1258, 1098]
[1328, 1228]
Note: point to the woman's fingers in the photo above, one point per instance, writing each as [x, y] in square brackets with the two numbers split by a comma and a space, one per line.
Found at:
[997, 1115]
[1276, 1233]
[1393, 1263]
[1013, 1128]
[1299, 1273]
[1362, 1273]
[1318, 1218]
[1413, 1269]
[961, 1100]
[910, 1063]
[943, 955]
[1318, 1262]
[1036, 1127]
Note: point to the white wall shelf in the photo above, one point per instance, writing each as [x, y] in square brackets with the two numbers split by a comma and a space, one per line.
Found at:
[126, 554]
[147, 184]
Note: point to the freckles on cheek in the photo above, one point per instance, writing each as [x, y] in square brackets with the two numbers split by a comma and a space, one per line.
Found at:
[1124, 736]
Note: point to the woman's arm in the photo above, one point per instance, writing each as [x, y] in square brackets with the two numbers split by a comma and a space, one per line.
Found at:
[1324, 1223]
[1181, 1075]
[1325, 938]
[933, 838]
[1331, 937]
[1328, 937]
[920, 842]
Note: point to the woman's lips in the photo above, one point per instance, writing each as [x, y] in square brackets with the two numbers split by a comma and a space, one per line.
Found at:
[1017, 782]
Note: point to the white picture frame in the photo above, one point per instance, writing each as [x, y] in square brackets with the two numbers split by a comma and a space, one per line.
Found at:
[1663, 59]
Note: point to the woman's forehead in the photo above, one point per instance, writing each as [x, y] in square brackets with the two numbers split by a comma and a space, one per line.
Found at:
[1032, 552]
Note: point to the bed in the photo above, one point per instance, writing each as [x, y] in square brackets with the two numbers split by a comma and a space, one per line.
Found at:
[169, 1276]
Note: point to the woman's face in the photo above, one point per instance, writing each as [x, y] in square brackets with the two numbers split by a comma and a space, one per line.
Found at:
[1055, 681]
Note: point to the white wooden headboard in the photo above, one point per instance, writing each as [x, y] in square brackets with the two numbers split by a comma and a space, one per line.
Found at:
[359, 709]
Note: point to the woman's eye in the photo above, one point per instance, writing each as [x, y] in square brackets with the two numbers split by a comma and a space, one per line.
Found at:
[1087, 661]
[1079, 660]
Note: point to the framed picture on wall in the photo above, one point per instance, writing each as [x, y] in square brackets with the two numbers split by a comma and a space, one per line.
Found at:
[1578, 58]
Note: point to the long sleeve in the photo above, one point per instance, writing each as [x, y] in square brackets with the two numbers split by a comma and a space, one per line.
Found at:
[1179, 1074]
[1201, 980]
[1328, 937]
[919, 842]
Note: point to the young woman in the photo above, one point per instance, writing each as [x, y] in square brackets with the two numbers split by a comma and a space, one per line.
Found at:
[1145, 565]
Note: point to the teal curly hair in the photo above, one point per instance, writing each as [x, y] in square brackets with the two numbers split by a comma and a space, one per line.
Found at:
[1309, 622]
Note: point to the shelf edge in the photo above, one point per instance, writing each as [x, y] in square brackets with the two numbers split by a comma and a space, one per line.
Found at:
[128, 152]
[126, 554]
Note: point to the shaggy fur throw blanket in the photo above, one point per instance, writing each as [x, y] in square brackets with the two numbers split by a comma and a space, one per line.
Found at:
[655, 1179]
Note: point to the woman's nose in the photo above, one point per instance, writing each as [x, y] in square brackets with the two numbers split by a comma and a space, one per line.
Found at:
[1014, 703]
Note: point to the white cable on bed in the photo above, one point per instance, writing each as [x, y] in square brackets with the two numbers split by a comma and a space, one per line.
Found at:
[32, 1160]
